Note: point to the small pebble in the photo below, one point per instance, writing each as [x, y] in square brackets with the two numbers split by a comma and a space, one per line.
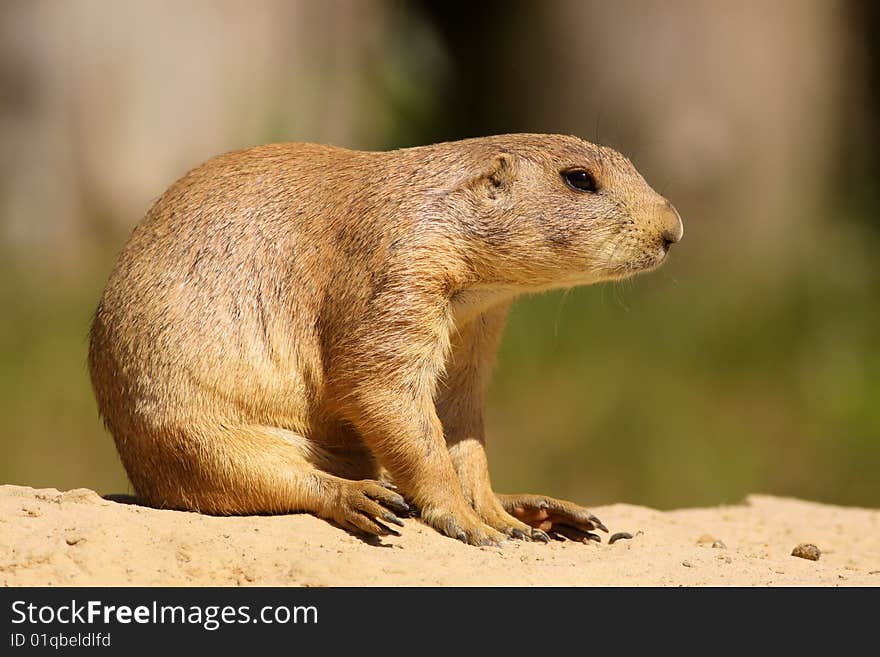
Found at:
[687, 564]
[708, 539]
[619, 536]
[806, 551]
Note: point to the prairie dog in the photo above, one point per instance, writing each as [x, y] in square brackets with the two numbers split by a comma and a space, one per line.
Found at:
[291, 322]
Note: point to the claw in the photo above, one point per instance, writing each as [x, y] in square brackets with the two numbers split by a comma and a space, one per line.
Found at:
[538, 535]
[516, 533]
[393, 519]
[398, 505]
[386, 528]
[598, 523]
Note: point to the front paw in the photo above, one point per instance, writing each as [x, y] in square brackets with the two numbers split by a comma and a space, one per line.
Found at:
[494, 515]
[559, 518]
[462, 524]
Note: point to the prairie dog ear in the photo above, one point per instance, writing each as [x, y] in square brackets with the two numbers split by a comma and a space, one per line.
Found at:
[497, 175]
[501, 170]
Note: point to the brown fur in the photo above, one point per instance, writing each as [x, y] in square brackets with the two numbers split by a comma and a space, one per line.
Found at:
[289, 319]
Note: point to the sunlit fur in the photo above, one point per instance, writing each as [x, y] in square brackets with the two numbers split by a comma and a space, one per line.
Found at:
[288, 319]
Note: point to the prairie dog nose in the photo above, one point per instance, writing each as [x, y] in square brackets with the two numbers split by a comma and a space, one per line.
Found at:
[671, 226]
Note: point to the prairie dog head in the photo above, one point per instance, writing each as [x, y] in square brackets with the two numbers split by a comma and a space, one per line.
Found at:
[557, 211]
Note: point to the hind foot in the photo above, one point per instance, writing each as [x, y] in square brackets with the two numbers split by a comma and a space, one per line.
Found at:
[363, 507]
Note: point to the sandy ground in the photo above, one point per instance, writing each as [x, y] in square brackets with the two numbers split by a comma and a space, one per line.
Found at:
[77, 538]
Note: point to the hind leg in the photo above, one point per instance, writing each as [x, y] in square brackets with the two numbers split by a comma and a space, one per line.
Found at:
[254, 470]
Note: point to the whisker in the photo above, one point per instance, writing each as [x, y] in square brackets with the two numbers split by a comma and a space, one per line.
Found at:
[559, 308]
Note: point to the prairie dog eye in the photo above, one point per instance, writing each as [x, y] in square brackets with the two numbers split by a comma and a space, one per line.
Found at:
[581, 180]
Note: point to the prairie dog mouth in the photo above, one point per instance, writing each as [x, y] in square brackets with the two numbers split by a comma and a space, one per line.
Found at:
[645, 262]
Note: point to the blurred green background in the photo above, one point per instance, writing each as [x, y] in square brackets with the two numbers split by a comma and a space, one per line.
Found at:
[749, 363]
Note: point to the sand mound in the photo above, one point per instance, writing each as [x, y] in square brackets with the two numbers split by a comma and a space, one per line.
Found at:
[77, 538]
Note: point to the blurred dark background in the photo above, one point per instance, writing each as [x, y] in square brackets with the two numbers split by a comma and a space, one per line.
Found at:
[749, 363]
